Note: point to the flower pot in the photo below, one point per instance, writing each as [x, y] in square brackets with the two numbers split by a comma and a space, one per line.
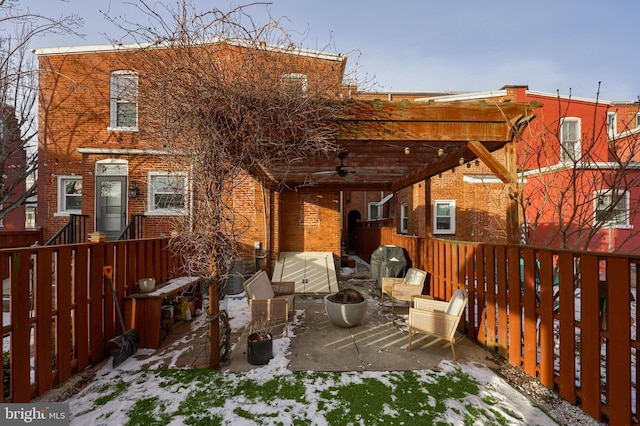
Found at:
[345, 313]
[259, 352]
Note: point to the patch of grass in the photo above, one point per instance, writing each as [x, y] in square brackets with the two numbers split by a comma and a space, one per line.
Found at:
[148, 412]
[111, 393]
[299, 398]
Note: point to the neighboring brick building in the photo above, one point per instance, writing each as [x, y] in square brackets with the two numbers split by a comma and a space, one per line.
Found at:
[14, 159]
[469, 202]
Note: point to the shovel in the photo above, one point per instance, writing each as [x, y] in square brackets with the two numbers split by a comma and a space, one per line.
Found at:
[126, 344]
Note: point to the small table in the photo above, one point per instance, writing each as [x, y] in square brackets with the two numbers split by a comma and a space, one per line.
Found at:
[142, 311]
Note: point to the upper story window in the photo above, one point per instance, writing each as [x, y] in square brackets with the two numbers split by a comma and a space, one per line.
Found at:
[69, 195]
[612, 208]
[294, 82]
[611, 125]
[167, 193]
[404, 218]
[444, 217]
[638, 119]
[570, 140]
[124, 101]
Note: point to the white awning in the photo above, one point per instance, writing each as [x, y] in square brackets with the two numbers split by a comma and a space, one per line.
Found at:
[385, 199]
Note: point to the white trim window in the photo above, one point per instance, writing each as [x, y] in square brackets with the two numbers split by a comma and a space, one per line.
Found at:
[444, 217]
[611, 208]
[611, 125]
[404, 218]
[570, 149]
[123, 111]
[69, 195]
[638, 119]
[294, 82]
[375, 211]
[167, 193]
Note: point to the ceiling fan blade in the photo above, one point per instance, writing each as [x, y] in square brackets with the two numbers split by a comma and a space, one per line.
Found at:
[326, 172]
[350, 177]
[359, 171]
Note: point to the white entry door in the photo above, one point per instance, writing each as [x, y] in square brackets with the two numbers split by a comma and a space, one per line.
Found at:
[313, 272]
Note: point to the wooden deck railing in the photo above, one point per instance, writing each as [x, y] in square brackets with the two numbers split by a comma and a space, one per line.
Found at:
[567, 318]
[62, 311]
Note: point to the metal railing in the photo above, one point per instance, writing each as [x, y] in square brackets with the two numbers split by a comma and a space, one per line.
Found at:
[134, 229]
[75, 231]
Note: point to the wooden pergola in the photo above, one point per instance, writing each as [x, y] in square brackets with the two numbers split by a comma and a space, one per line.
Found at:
[389, 145]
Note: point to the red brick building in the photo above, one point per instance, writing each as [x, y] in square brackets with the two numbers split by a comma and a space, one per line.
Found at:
[96, 159]
[14, 159]
[469, 202]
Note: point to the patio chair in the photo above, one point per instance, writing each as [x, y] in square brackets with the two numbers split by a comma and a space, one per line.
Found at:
[269, 301]
[437, 318]
[403, 288]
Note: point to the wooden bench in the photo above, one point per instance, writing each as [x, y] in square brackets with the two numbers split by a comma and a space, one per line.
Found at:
[143, 311]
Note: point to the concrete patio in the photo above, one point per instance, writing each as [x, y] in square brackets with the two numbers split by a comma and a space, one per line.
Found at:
[378, 343]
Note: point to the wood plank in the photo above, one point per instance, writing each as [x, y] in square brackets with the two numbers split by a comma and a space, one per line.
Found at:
[481, 295]
[590, 336]
[618, 351]
[44, 310]
[20, 327]
[98, 341]
[567, 328]
[530, 348]
[546, 320]
[81, 291]
[503, 331]
[515, 308]
[470, 283]
[64, 325]
[492, 331]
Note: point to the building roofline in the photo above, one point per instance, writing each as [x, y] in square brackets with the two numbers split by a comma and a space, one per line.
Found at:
[465, 96]
[97, 48]
[573, 98]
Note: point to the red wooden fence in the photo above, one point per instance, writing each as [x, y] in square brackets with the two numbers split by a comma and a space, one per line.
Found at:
[9, 239]
[62, 311]
[542, 310]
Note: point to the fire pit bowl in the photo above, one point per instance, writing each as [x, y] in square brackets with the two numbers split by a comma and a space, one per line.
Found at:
[345, 308]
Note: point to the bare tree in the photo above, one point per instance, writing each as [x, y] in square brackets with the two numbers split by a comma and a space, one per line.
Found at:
[219, 93]
[18, 96]
[573, 190]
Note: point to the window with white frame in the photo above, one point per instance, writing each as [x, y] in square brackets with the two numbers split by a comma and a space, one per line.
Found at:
[444, 217]
[69, 195]
[124, 100]
[611, 208]
[611, 124]
[638, 119]
[294, 83]
[570, 140]
[404, 218]
[375, 211]
[167, 193]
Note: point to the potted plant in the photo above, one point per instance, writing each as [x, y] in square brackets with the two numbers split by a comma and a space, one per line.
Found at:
[260, 342]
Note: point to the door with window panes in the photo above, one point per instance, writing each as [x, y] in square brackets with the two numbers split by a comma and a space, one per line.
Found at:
[111, 213]
[111, 197]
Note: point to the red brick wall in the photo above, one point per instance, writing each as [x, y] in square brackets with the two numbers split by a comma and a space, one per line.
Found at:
[310, 222]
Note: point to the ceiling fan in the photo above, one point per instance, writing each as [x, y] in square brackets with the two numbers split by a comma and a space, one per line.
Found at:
[345, 172]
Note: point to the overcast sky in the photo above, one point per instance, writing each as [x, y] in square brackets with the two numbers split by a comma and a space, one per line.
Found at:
[440, 45]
